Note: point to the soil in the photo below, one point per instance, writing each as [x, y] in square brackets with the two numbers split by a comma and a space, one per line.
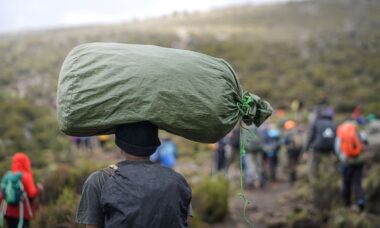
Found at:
[268, 207]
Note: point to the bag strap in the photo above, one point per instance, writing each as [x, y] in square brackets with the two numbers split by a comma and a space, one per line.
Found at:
[110, 170]
[3, 209]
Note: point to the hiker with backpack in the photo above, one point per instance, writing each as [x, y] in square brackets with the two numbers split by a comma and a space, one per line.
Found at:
[18, 192]
[135, 192]
[373, 135]
[293, 142]
[254, 172]
[220, 155]
[166, 154]
[320, 141]
[349, 148]
[233, 150]
[272, 145]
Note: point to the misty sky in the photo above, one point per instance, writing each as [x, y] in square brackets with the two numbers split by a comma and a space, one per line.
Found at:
[16, 15]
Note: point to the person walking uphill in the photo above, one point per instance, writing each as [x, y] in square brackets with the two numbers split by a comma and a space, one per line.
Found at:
[320, 140]
[135, 192]
[349, 148]
[293, 142]
[18, 193]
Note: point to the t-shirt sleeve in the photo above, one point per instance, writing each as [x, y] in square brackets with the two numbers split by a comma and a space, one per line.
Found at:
[190, 213]
[89, 210]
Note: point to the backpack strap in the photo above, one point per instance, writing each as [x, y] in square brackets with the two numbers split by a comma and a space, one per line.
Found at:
[110, 170]
[3, 209]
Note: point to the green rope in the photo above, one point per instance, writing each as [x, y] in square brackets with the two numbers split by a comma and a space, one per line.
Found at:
[245, 105]
[241, 192]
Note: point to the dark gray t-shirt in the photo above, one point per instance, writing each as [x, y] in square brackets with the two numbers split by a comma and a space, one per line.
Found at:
[90, 209]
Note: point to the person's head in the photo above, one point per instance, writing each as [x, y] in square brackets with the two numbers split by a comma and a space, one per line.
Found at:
[137, 139]
[21, 163]
[327, 113]
[289, 125]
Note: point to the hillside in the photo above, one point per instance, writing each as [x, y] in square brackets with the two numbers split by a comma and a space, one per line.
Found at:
[305, 50]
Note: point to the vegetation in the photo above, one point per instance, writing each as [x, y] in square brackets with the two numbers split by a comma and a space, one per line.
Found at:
[319, 204]
[210, 199]
[297, 50]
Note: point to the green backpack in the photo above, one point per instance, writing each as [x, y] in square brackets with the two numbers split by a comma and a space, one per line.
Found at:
[13, 193]
[12, 188]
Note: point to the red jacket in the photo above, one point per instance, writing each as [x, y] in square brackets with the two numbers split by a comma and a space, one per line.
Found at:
[21, 163]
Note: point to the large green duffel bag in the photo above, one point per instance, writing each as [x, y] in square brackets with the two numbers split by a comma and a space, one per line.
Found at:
[102, 85]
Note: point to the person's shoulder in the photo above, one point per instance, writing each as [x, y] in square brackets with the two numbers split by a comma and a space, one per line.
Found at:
[169, 172]
[178, 177]
[25, 177]
[96, 178]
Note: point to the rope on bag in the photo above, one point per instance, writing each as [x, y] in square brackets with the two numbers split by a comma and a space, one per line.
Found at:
[246, 110]
[245, 107]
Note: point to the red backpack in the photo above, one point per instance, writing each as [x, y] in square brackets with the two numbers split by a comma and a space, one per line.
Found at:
[350, 144]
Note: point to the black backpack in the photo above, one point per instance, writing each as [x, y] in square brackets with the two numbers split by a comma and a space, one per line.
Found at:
[325, 140]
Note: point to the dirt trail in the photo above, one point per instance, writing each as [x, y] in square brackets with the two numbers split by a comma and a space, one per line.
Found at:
[268, 208]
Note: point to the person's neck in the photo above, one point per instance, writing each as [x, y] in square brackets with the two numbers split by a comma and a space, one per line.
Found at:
[130, 157]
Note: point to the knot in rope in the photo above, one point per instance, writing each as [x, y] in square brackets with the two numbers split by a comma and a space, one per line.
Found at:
[247, 108]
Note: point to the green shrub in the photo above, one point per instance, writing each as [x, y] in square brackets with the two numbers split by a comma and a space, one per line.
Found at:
[65, 176]
[325, 190]
[304, 218]
[372, 189]
[61, 213]
[343, 217]
[210, 199]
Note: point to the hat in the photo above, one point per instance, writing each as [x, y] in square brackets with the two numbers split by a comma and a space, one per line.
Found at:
[139, 139]
[290, 124]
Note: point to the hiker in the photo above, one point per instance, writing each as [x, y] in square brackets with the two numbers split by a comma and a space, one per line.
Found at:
[320, 141]
[220, 155]
[166, 154]
[293, 142]
[233, 150]
[272, 148]
[17, 198]
[103, 139]
[254, 172]
[372, 130]
[86, 142]
[349, 148]
[75, 140]
[135, 192]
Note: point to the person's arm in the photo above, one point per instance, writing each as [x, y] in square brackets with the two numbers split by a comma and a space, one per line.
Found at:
[190, 215]
[311, 137]
[338, 152]
[29, 186]
[89, 209]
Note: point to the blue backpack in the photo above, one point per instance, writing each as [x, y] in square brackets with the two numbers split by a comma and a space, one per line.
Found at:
[167, 154]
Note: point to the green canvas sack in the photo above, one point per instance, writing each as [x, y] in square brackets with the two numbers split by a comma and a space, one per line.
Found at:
[102, 85]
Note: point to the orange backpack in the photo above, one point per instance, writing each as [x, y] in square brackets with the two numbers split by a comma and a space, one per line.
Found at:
[350, 144]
